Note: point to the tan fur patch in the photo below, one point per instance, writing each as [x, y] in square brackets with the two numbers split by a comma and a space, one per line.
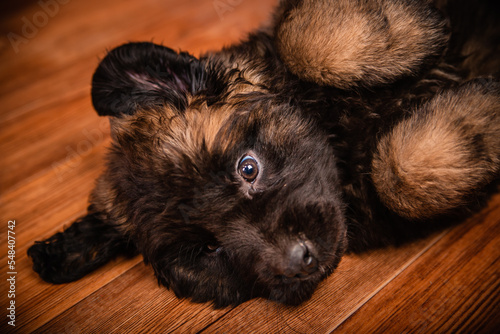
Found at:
[179, 134]
[372, 41]
[429, 163]
[200, 126]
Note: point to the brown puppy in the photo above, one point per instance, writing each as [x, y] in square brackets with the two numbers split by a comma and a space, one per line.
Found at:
[248, 172]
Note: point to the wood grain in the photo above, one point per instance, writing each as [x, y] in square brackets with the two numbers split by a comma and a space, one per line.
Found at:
[52, 146]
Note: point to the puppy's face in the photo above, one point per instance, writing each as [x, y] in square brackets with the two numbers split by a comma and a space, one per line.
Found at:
[228, 191]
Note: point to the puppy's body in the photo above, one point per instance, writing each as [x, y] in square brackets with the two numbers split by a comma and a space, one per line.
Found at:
[244, 174]
[439, 184]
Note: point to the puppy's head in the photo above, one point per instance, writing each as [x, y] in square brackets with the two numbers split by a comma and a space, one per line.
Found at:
[229, 191]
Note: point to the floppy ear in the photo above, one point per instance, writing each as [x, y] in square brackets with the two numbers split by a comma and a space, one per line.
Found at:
[141, 75]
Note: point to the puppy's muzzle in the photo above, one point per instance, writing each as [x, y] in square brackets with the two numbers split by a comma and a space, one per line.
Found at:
[299, 260]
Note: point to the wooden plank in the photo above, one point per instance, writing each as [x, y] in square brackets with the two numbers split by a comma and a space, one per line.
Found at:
[50, 139]
[452, 288]
[129, 304]
[40, 302]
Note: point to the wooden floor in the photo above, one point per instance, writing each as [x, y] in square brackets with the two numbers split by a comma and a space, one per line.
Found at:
[52, 146]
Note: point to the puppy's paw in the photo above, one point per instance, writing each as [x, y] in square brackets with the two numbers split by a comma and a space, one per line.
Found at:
[83, 247]
[439, 158]
[348, 43]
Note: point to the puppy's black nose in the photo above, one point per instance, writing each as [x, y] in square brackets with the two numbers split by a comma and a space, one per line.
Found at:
[300, 260]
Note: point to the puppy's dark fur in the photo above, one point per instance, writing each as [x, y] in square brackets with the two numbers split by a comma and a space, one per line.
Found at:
[249, 172]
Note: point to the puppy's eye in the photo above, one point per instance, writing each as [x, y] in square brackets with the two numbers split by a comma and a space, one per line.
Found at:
[212, 249]
[248, 168]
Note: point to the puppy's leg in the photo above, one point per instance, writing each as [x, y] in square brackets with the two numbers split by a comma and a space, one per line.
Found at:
[440, 157]
[349, 43]
[83, 247]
